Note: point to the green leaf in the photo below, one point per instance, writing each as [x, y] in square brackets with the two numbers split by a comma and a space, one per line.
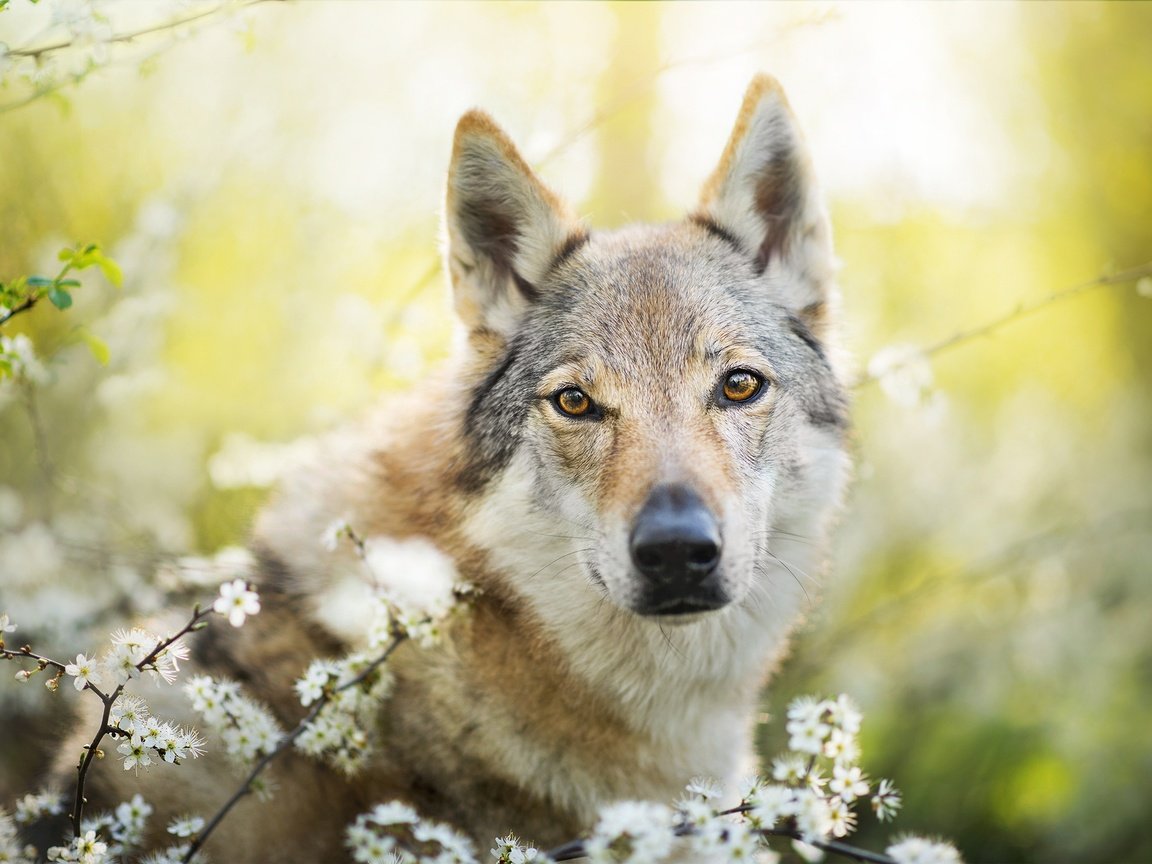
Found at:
[66, 254]
[39, 282]
[68, 283]
[110, 269]
[97, 346]
[60, 298]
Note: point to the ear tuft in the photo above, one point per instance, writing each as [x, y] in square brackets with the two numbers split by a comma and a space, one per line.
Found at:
[763, 194]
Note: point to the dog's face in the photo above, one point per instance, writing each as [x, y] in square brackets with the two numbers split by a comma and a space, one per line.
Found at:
[666, 388]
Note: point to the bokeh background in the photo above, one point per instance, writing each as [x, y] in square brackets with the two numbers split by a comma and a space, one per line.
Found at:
[269, 179]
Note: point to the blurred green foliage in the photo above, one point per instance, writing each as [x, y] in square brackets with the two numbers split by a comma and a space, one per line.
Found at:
[273, 200]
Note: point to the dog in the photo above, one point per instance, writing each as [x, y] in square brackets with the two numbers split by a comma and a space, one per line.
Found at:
[634, 455]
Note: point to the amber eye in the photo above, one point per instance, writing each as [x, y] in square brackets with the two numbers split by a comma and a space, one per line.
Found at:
[741, 385]
[573, 401]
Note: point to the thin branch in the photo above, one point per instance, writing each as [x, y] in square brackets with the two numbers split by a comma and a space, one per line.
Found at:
[639, 87]
[72, 79]
[37, 53]
[38, 293]
[109, 700]
[245, 788]
[28, 303]
[576, 848]
[26, 652]
[1023, 310]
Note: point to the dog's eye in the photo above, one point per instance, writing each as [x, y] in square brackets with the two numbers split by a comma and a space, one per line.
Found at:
[574, 402]
[740, 385]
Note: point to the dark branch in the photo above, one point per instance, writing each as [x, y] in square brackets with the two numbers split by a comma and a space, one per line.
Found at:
[246, 787]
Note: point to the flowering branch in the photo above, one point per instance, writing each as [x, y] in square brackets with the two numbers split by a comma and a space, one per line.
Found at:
[325, 698]
[37, 53]
[577, 848]
[1137, 274]
[109, 700]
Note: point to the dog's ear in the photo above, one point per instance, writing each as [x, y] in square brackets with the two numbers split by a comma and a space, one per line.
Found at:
[763, 197]
[506, 229]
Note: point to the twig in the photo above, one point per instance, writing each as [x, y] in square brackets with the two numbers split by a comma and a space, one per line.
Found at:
[1022, 311]
[109, 700]
[576, 848]
[26, 651]
[641, 86]
[43, 90]
[245, 788]
[38, 293]
[37, 53]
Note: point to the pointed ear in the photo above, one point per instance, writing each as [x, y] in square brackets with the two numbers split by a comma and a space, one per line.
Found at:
[506, 229]
[762, 196]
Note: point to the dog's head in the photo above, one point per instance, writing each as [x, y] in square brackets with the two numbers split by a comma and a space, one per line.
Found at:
[663, 392]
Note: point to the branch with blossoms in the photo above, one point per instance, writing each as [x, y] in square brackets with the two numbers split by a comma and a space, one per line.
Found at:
[133, 654]
[904, 371]
[89, 32]
[809, 799]
[342, 695]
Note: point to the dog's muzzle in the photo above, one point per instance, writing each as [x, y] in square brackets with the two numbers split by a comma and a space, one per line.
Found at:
[675, 546]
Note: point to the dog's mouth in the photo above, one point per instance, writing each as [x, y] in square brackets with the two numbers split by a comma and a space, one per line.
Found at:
[681, 607]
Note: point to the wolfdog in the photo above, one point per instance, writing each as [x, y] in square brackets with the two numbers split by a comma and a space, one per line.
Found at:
[633, 454]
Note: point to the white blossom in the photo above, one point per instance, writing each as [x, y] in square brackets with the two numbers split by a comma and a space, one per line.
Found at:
[248, 729]
[844, 715]
[87, 849]
[129, 821]
[336, 529]
[390, 832]
[509, 850]
[5, 625]
[237, 601]
[632, 832]
[886, 800]
[918, 850]
[813, 819]
[18, 349]
[311, 686]
[842, 821]
[135, 753]
[186, 826]
[842, 747]
[84, 671]
[904, 373]
[772, 804]
[36, 806]
[848, 783]
[707, 788]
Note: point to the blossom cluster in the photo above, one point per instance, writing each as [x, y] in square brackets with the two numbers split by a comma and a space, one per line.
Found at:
[147, 735]
[415, 586]
[809, 796]
[353, 689]
[509, 850]
[11, 849]
[393, 833]
[247, 728]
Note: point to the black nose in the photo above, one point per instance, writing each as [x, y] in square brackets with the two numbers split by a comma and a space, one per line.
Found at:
[675, 541]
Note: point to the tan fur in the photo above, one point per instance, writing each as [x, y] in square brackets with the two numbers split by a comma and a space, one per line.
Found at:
[552, 697]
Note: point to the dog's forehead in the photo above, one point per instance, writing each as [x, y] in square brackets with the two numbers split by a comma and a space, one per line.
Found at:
[652, 294]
